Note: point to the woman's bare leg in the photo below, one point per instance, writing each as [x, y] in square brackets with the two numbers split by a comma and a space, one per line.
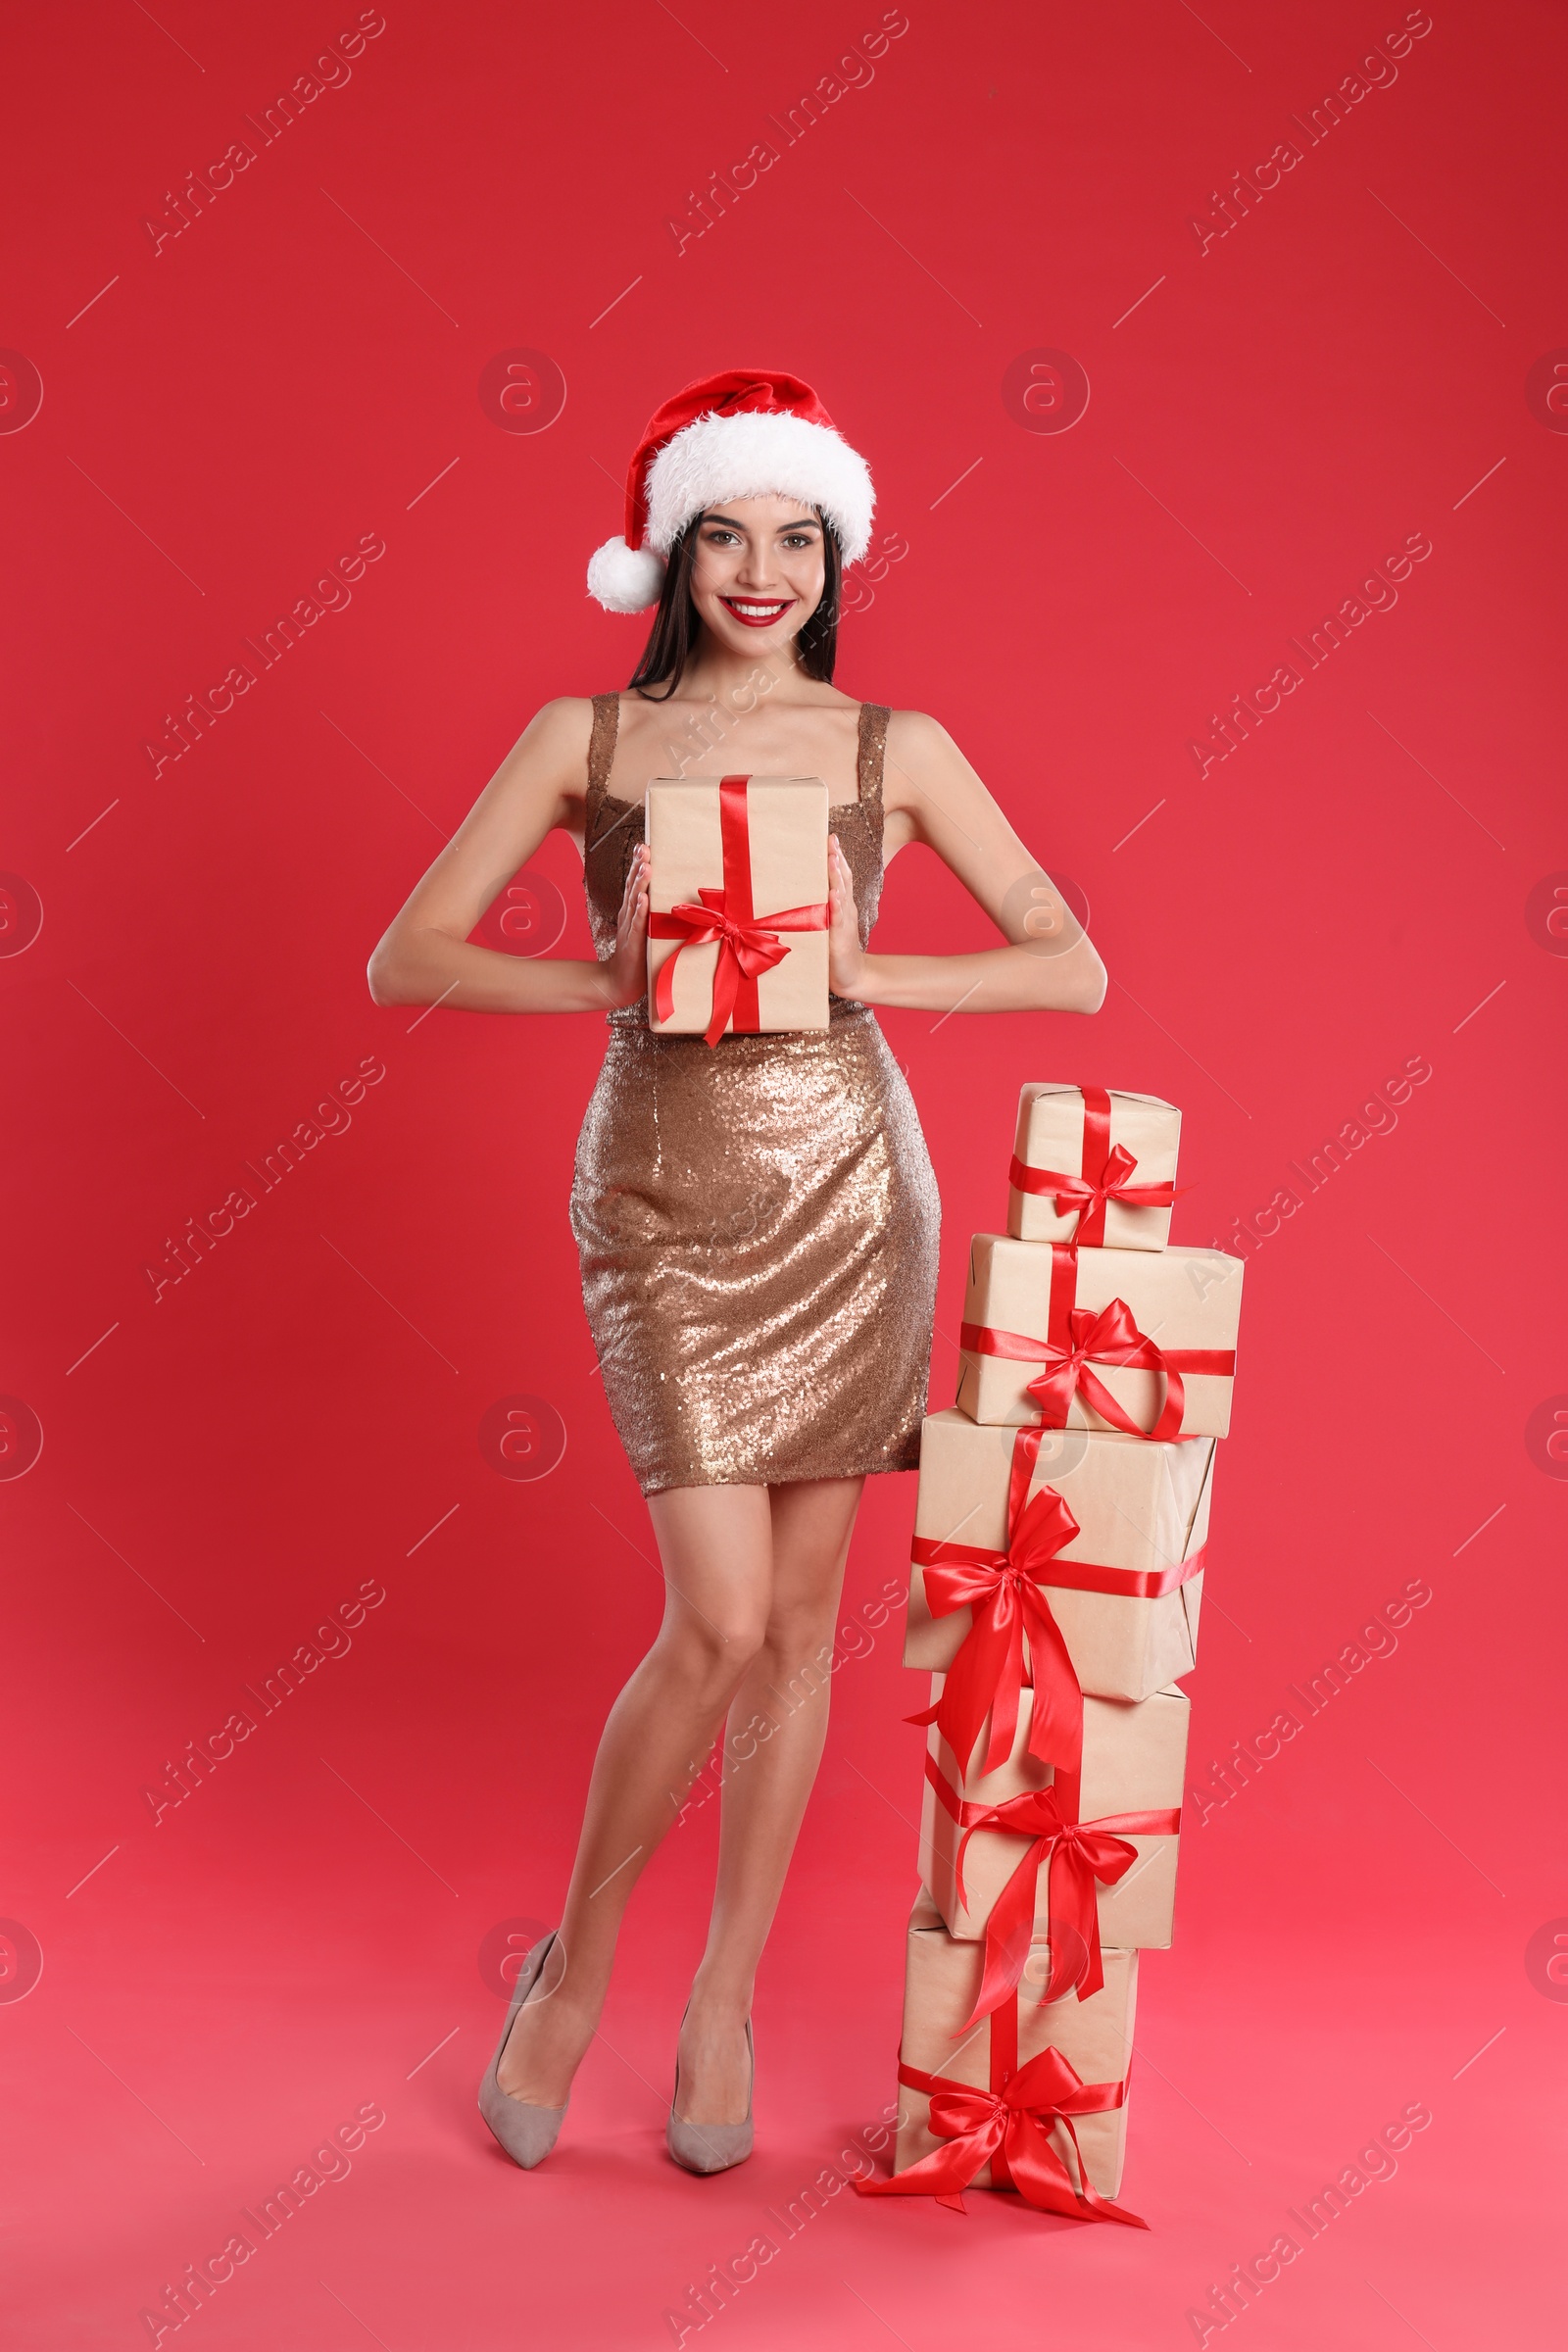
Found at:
[716, 1545]
[767, 1779]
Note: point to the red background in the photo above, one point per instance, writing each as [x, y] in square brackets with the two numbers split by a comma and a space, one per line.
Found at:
[231, 413]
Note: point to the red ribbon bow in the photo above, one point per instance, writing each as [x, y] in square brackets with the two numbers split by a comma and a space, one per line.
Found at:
[748, 946]
[1081, 1335]
[1008, 2127]
[1110, 1338]
[1104, 1172]
[1004, 1590]
[1076, 1854]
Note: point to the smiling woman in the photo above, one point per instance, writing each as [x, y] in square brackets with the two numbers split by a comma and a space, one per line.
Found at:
[805, 554]
[757, 1223]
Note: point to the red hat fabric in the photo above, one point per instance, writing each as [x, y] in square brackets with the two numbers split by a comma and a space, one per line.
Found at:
[746, 432]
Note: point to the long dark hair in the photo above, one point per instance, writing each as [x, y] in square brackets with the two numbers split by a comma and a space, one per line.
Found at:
[672, 638]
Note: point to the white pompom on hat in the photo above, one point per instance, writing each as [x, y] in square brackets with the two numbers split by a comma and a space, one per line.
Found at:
[746, 433]
[625, 579]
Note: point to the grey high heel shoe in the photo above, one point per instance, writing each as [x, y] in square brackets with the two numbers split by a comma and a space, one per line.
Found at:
[712, 2147]
[527, 2132]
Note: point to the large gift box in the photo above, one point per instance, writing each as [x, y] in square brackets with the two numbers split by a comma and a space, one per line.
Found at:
[1093, 1164]
[738, 913]
[1100, 1338]
[1093, 2036]
[1085, 1859]
[1081, 1545]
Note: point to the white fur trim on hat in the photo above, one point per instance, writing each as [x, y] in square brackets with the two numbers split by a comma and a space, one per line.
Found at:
[625, 579]
[752, 455]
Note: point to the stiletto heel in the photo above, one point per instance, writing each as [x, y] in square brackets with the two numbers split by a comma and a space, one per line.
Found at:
[527, 2132]
[711, 2148]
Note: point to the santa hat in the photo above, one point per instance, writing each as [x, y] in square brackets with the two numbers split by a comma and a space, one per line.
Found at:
[744, 433]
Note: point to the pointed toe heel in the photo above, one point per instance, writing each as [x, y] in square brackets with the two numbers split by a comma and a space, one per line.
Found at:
[712, 2147]
[526, 2131]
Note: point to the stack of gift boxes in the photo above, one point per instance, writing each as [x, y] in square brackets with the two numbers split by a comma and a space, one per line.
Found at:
[1060, 1526]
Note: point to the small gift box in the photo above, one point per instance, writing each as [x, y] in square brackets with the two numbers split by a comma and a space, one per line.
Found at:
[1071, 1558]
[1093, 1164]
[738, 906]
[1138, 1341]
[1083, 1859]
[1034, 2099]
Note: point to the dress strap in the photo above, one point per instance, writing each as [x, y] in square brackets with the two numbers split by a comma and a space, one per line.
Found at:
[601, 748]
[874, 741]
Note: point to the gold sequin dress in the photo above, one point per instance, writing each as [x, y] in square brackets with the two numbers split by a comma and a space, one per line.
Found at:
[757, 1221]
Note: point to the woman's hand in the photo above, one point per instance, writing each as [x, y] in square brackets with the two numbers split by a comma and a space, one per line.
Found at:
[623, 973]
[846, 958]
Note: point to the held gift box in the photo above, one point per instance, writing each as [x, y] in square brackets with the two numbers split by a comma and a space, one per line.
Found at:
[1130, 1581]
[745, 857]
[941, 1982]
[1134, 1757]
[1094, 1137]
[1017, 1321]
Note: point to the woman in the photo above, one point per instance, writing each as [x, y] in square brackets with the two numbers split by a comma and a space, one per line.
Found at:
[756, 1222]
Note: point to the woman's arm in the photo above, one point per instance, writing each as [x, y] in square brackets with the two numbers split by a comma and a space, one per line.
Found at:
[933, 795]
[425, 956]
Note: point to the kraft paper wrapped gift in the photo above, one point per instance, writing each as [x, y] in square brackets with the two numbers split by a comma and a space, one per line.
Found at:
[1104, 1143]
[940, 1980]
[1133, 1758]
[1142, 1509]
[1028, 1305]
[746, 858]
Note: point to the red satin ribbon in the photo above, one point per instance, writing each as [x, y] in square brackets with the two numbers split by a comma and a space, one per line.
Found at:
[1075, 1853]
[1005, 1590]
[748, 946]
[1111, 1336]
[1010, 2128]
[1076, 1336]
[1104, 1176]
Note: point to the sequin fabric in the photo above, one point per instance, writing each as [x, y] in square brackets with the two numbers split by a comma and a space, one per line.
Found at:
[756, 1222]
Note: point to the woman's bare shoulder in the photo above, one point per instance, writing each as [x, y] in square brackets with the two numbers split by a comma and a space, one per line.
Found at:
[565, 721]
[920, 755]
[917, 732]
[544, 775]
[553, 745]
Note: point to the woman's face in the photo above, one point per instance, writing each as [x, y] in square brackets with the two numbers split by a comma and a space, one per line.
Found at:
[758, 572]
